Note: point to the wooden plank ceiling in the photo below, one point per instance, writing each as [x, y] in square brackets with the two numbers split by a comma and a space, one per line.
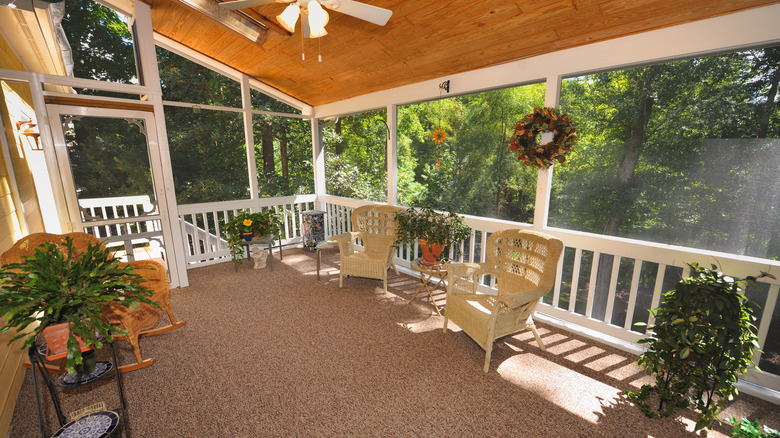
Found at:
[423, 39]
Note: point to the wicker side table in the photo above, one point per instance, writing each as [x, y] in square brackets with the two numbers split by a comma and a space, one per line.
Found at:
[427, 273]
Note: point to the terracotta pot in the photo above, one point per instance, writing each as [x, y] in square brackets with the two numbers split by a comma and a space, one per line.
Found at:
[430, 252]
[56, 336]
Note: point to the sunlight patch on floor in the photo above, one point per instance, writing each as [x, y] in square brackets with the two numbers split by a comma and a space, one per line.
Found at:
[556, 384]
[605, 362]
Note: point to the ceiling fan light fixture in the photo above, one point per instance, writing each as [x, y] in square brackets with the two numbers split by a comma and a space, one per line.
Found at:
[318, 17]
[289, 17]
[317, 32]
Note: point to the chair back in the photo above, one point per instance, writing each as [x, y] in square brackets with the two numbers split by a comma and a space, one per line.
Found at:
[26, 246]
[377, 224]
[523, 260]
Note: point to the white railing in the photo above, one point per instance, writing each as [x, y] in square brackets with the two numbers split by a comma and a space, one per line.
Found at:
[202, 225]
[123, 222]
[616, 282]
[605, 285]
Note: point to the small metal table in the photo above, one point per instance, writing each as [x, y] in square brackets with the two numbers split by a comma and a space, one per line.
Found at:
[426, 274]
[325, 244]
[268, 240]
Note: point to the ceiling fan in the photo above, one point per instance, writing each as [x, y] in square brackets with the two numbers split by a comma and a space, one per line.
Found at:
[314, 26]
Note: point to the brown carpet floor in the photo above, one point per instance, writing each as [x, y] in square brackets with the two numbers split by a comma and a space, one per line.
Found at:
[282, 354]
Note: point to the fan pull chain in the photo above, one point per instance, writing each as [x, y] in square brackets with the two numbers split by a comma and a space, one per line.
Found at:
[319, 49]
[303, 50]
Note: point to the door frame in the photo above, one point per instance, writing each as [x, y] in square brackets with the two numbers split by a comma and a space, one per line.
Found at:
[162, 180]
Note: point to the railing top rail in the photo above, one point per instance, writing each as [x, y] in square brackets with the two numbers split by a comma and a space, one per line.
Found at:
[244, 203]
[116, 200]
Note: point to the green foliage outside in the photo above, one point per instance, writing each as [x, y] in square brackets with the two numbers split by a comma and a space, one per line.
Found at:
[684, 153]
[478, 174]
[355, 162]
[702, 339]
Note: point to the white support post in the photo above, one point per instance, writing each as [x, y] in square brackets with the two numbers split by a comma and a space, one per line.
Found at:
[392, 155]
[552, 96]
[48, 185]
[246, 102]
[318, 158]
[158, 145]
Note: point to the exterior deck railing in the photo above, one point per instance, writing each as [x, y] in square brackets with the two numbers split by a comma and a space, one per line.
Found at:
[202, 225]
[617, 281]
[605, 285]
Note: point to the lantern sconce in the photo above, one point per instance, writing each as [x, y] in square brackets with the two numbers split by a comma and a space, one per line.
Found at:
[30, 131]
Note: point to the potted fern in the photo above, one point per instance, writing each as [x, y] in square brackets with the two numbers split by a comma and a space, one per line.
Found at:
[435, 231]
[57, 285]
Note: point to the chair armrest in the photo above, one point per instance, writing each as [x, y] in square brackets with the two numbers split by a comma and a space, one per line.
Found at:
[468, 270]
[347, 241]
[519, 299]
[462, 277]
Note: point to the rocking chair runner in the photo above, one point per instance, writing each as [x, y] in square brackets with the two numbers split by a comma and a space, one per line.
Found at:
[524, 264]
[139, 322]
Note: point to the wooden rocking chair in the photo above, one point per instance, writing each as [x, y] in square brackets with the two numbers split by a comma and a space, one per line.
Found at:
[139, 322]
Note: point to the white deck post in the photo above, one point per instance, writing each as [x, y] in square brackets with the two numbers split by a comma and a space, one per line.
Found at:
[392, 155]
[552, 96]
[169, 217]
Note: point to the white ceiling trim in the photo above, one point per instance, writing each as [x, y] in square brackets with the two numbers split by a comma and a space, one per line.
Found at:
[230, 72]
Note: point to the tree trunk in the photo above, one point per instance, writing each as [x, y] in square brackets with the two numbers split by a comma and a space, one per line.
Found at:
[763, 121]
[283, 158]
[628, 164]
[339, 143]
[268, 148]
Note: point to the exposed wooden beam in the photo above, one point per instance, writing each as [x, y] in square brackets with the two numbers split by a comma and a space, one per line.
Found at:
[230, 20]
[267, 21]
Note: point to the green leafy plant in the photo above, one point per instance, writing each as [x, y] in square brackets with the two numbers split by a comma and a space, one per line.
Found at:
[436, 228]
[260, 224]
[58, 285]
[751, 429]
[703, 337]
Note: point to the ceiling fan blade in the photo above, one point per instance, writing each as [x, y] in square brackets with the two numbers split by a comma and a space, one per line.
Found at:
[243, 4]
[373, 14]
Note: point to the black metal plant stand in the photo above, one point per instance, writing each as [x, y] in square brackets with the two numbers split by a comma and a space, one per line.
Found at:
[36, 360]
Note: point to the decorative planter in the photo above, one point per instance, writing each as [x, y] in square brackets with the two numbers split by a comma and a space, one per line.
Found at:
[56, 336]
[248, 236]
[430, 252]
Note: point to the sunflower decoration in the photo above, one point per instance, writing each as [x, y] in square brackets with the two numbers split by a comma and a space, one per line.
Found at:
[525, 145]
[439, 136]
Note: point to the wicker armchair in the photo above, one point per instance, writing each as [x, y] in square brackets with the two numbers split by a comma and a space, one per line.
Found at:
[139, 322]
[375, 226]
[524, 264]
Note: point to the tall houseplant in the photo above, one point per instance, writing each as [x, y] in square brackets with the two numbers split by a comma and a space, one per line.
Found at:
[259, 224]
[702, 338]
[56, 284]
[435, 231]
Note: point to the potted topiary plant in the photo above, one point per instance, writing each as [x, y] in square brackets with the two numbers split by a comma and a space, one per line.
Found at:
[435, 231]
[58, 286]
[702, 338]
[245, 224]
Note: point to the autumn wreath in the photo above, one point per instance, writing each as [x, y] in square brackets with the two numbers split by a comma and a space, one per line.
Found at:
[524, 141]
